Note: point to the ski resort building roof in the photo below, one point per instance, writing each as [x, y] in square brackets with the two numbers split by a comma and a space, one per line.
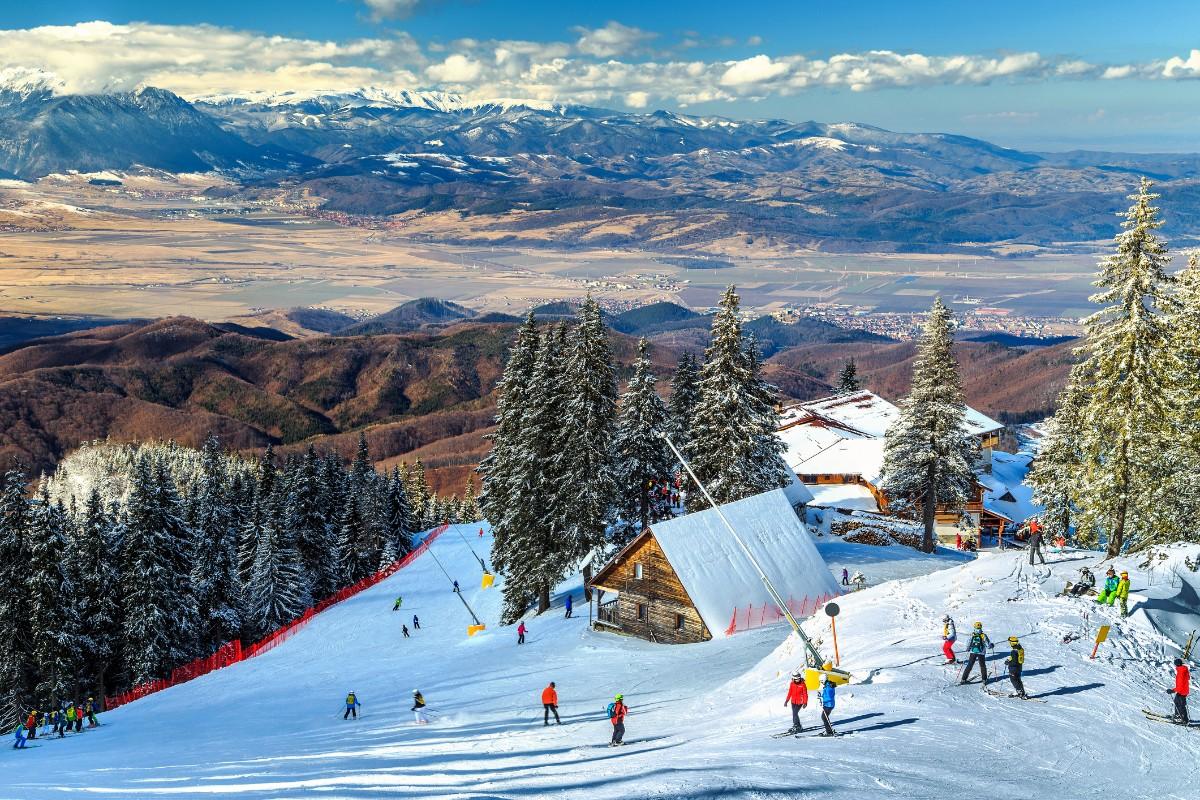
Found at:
[704, 571]
[869, 414]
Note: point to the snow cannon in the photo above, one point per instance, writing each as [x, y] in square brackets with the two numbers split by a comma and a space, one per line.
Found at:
[812, 677]
[474, 629]
[488, 580]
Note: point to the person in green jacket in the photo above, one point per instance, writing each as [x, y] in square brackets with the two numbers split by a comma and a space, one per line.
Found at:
[1108, 594]
[1123, 593]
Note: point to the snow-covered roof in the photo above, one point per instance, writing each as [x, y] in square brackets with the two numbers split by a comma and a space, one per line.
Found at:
[870, 414]
[716, 573]
[853, 496]
[1005, 491]
[796, 492]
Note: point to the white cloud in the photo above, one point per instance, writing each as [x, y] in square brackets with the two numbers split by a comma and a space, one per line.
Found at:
[455, 69]
[637, 99]
[390, 9]
[613, 39]
[753, 70]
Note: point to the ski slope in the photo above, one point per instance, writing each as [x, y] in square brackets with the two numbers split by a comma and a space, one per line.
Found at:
[701, 716]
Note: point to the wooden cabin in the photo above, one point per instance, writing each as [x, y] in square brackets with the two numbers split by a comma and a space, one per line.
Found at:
[682, 580]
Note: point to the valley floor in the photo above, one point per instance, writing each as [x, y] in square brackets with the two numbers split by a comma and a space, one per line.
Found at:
[702, 715]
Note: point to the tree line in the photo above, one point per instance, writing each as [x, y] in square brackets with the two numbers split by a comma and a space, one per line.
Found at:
[134, 559]
[575, 470]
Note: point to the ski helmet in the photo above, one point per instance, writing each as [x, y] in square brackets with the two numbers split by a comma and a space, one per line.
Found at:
[946, 618]
[1014, 640]
[415, 691]
[1179, 662]
[619, 697]
[978, 626]
[796, 675]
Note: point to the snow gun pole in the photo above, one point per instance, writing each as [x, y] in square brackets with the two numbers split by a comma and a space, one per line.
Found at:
[447, 574]
[812, 651]
[472, 549]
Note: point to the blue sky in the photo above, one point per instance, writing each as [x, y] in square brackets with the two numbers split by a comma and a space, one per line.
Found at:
[1051, 75]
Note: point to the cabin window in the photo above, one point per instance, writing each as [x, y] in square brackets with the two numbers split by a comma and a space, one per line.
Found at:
[641, 611]
[679, 622]
[637, 571]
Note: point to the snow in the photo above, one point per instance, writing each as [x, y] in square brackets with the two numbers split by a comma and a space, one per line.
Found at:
[796, 492]
[701, 714]
[717, 575]
[843, 495]
[1007, 480]
[870, 414]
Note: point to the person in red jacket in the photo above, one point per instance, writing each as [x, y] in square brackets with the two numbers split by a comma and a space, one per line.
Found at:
[797, 697]
[31, 725]
[550, 704]
[617, 711]
[521, 633]
[1183, 680]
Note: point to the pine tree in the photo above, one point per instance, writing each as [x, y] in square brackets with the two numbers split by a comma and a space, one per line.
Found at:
[16, 646]
[469, 510]
[1127, 376]
[685, 396]
[1181, 499]
[215, 579]
[643, 458]
[308, 520]
[848, 378]
[1053, 473]
[928, 456]
[400, 523]
[278, 591]
[95, 550]
[734, 450]
[416, 485]
[52, 620]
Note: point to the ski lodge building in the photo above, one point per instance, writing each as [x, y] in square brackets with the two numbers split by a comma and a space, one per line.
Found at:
[835, 446]
[686, 579]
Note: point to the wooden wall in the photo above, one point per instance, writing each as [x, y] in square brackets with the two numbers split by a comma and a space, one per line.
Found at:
[658, 591]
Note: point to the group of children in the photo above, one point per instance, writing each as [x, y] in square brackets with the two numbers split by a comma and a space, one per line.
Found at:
[797, 698]
[416, 620]
[69, 717]
[420, 715]
[977, 649]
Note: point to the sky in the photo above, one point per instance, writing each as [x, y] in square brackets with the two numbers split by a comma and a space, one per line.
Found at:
[1036, 75]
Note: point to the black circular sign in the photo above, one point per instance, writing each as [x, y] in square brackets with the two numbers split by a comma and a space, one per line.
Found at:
[832, 609]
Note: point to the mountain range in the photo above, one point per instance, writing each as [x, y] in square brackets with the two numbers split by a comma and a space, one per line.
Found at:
[531, 172]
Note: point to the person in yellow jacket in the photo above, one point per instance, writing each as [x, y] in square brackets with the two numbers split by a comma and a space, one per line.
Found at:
[1123, 593]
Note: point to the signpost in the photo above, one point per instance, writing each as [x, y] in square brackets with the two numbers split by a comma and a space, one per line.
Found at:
[832, 610]
[1100, 637]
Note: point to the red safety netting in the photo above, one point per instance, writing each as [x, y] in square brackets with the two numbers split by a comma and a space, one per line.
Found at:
[752, 616]
[233, 652]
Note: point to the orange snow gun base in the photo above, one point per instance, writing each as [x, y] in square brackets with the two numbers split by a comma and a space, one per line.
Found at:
[474, 629]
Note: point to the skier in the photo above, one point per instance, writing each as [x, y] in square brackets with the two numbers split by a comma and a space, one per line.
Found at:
[569, 604]
[418, 708]
[949, 637]
[59, 718]
[617, 711]
[550, 704]
[78, 718]
[1086, 583]
[416, 623]
[19, 737]
[456, 589]
[979, 642]
[399, 602]
[797, 698]
[1108, 594]
[404, 630]
[93, 708]
[70, 716]
[31, 725]
[1123, 593]
[1182, 687]
[352, 706]
[1035, 542]
[481, 533]
[1015, 663]
[521, 633]
[845, 577]
[828, 698]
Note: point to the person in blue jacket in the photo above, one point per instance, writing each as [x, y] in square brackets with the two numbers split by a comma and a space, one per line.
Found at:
[977, 650]
[352, 706]
[569, 606]
[19, 737]
[828, 700]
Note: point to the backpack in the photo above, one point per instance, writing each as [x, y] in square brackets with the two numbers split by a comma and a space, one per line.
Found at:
[351, 699]
[612, 707]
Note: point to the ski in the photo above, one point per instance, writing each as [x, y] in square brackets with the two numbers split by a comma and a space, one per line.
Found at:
[835, 735]
[1167, 718]
[1013, 696]
[791, 732]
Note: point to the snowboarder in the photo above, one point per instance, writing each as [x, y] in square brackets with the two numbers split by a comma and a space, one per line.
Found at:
[828, 698]
[1035, 542]
[19, 737]
[404, 630]
[617, 711]
[399, 602]
[845, 577]
[1123, 593]
[1086, 583]
[456, 589]
[521, 633]
[550, 704]
[797, 698]
[352, 706]
[977, 648]
[418, 708]
[1183, 680]
[569, 606]
[949, 637]
[1015, 663]
[1108, 594]
[416, 623]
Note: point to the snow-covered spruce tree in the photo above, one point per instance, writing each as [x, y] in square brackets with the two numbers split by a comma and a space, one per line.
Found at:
[95, 551]
[928, 456]
[416, 486]
[643, 458]
[52, 620]
[278, 590]
[1182, 495]
[308, 521]
[159, 619]
[400, 525]
[215, 580]
[767, 457]
[734, 450]
[1128, 369]
[848, 382]
[257, 515]
[16, 645]
[1054, 473]
[469, 508]
[685, 396]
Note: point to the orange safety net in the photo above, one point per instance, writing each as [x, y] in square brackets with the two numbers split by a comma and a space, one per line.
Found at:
[753, 616]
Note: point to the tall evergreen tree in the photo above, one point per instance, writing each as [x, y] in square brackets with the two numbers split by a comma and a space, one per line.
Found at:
[928, 456]
[643, 458]
[52, 620]
[685, 396]
[1181, 498]
[16, 645]
[95, 550]
[1128, 373]
[848, 382]
[469, 509]
[278, 591]
[215, 579]
[763, 400]
[1054, 472]
[400, 524]
[308, 520]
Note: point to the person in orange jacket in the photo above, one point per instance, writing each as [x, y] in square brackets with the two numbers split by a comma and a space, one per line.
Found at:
[797, 697]
[617, 711]
[31, 725]
[1183, 681]
[550, 704]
